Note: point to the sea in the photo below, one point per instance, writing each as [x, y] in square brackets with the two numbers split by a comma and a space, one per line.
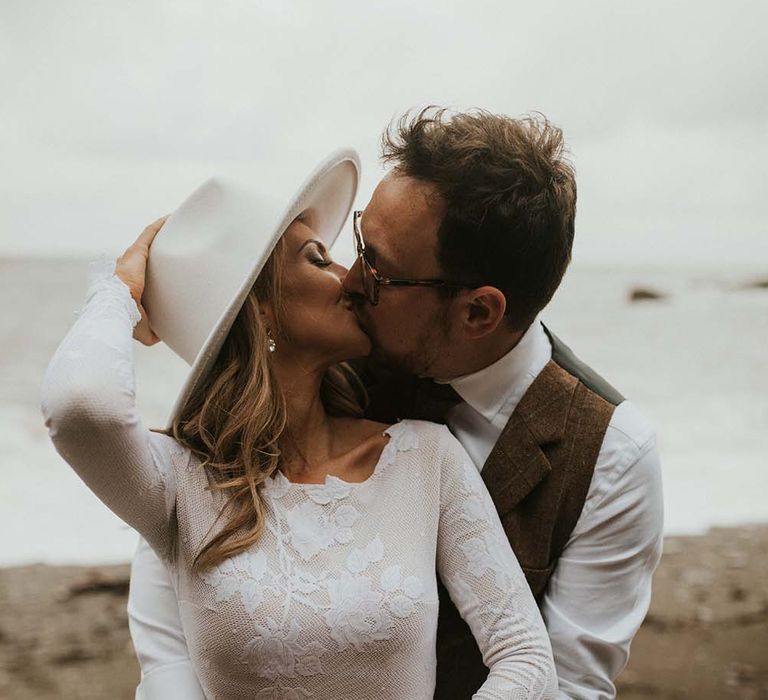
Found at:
[693, 358]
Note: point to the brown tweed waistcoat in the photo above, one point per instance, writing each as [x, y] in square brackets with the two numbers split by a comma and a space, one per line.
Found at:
[538, 475]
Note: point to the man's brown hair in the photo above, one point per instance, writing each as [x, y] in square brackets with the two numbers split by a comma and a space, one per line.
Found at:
[510, 195]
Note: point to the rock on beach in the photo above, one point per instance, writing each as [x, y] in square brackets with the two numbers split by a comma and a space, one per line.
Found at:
[645, 294]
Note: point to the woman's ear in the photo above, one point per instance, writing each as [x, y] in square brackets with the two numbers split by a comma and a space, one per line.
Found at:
[485, 310]
[267, 315]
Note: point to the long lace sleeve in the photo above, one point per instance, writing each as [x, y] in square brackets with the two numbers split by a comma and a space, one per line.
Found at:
[88, 403]
[488, 587]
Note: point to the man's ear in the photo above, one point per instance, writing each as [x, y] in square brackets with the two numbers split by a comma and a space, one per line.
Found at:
[485, 307]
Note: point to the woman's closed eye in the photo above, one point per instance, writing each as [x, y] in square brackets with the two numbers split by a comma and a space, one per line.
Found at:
[318, 256]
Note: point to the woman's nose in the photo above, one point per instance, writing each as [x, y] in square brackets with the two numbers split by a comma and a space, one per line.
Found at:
[339, 271]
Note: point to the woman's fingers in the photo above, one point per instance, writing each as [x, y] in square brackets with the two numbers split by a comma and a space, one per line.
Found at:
[131, 268]
[144, 241]
[142, 244]
[132, 264]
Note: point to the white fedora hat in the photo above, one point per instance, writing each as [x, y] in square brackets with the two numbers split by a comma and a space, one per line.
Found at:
[208, 254]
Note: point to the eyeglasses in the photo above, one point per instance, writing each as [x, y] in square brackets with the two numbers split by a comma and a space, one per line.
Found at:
[372, 280]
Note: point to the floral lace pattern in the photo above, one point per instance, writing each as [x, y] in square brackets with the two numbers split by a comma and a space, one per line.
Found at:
[358, 607]
[487, 552]
[275, 651]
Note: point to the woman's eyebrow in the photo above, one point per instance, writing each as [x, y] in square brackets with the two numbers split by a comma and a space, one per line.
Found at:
[319, 244]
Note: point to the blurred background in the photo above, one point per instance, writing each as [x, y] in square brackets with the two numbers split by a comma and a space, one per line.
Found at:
[113, 112]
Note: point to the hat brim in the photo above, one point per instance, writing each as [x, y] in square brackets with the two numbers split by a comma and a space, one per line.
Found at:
[328, 193]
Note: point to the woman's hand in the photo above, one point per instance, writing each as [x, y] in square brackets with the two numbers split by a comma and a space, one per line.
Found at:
[130, 267]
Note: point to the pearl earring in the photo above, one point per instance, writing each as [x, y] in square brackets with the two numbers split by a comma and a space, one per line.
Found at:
[271, 345]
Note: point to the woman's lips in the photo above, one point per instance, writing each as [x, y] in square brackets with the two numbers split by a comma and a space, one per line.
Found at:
[355, 309]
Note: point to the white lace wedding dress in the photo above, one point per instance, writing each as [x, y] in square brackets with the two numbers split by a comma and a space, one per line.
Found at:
[338, 598]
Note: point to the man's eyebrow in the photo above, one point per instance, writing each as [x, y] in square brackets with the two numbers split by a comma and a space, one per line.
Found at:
[375, 257]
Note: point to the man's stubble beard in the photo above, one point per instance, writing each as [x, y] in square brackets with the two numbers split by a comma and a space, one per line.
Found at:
[424, 353]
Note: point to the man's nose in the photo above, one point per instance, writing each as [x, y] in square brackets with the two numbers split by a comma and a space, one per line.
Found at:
[351, 283]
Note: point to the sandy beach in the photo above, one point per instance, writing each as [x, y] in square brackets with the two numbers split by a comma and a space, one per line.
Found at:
[64, 634]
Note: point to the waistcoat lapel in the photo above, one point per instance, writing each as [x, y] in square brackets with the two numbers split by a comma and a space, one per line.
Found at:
[518, 461]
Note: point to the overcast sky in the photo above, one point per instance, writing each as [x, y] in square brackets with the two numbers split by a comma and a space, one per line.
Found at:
[112, 112]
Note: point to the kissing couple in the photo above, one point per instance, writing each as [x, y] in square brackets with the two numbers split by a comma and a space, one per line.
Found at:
[391, 481]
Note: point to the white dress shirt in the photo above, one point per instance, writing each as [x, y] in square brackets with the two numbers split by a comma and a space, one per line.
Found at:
[600, 590]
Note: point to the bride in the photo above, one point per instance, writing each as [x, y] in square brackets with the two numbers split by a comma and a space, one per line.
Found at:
[303, 541]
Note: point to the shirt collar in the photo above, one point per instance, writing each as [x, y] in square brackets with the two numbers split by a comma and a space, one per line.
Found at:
[492, 388]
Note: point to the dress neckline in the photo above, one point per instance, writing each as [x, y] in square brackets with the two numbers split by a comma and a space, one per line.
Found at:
[280, 483]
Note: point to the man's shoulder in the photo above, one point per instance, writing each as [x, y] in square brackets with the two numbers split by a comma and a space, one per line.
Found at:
[630, 426]
[628, 465]
[629, 434]
[627, 480]
[565, 358]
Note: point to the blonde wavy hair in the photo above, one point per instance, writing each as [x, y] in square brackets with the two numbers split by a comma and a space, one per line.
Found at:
[235, 420]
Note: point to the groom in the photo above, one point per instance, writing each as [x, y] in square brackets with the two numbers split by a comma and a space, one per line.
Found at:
[462, 245]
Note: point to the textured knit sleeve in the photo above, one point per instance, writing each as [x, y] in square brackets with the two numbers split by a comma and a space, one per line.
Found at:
[88, 403]
[488, 587]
